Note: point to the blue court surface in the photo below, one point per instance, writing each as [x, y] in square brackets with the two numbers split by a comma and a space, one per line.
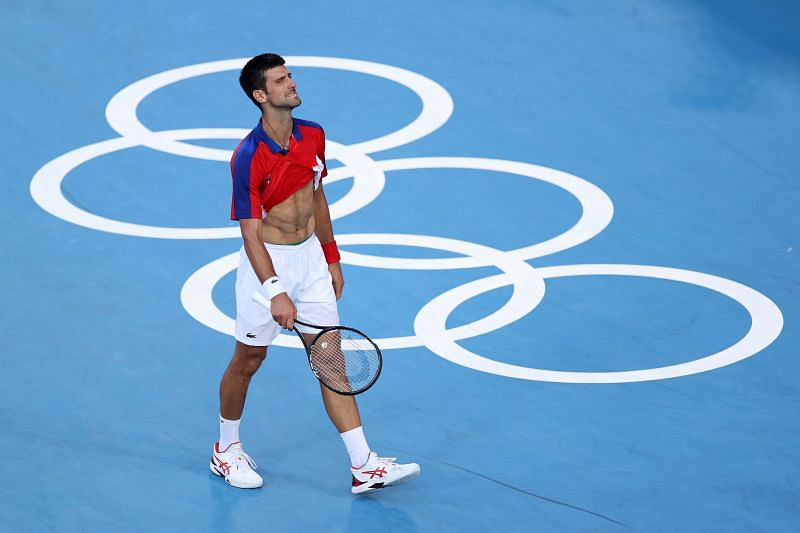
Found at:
[572, 226]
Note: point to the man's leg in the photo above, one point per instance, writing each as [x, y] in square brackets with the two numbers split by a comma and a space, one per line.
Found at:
[228, 458]
[370, 472]
[244, 364]
[342, 410]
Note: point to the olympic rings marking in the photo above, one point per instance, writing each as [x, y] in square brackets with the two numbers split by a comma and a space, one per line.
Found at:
[368, 182]
[437, 106]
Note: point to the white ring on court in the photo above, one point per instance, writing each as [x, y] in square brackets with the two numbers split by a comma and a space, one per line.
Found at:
[767, 322]
[46, 186]
[437, 105]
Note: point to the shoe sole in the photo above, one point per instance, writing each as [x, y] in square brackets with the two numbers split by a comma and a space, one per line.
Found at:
[220, 474]
[374, 487]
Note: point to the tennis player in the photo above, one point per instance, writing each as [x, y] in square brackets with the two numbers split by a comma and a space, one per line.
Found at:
[290, 256]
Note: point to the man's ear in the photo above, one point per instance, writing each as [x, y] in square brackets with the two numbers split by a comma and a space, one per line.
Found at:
[260, 96]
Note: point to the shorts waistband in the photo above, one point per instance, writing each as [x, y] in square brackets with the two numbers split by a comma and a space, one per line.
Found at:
[289, 247]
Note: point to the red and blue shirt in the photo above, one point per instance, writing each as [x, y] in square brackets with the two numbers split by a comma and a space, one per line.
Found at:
[264, 174]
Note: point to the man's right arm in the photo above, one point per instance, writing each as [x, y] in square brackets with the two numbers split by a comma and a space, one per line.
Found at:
[281, 307]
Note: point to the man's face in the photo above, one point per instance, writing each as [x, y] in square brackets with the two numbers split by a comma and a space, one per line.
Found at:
[281, 90]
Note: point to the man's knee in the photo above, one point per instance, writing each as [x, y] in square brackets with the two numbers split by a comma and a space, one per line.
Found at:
[249, 358]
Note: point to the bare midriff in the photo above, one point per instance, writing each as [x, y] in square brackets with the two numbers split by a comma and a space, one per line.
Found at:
[292, 220]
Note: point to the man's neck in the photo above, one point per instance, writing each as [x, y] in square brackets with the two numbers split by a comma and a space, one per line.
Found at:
[278, 125]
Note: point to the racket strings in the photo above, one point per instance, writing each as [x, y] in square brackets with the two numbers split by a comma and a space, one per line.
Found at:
[345, 360]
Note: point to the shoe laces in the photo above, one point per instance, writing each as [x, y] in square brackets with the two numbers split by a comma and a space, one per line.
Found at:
[238, 452]
[387, 460]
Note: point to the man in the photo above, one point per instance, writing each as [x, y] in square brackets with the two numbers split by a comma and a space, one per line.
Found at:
[283, 214]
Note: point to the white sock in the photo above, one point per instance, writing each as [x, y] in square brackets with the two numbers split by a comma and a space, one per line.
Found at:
[357, 446]
[228, 432]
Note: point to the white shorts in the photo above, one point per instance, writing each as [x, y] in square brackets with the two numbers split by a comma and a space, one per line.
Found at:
[304, 274]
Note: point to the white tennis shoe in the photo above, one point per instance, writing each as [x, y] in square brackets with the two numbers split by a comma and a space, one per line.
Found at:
[381, 472]
[235, 466]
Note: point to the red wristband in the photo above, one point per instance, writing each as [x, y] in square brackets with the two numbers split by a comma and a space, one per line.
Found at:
[331, 252]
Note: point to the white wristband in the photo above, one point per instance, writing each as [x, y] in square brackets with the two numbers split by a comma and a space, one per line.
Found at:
[272, 287]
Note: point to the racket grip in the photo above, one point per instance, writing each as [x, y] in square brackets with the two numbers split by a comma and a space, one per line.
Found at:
[260, 299]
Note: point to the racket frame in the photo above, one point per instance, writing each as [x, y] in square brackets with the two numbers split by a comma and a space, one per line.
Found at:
[262, 300]
[324, 329]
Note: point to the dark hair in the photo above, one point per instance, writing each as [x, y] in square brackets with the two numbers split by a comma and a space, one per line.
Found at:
[254, 73]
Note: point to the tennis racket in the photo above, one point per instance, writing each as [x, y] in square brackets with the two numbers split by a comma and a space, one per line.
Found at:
[342, 358]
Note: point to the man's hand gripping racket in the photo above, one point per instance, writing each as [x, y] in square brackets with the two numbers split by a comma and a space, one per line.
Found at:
[343, 359]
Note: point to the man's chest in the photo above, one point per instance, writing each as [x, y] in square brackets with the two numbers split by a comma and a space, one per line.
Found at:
[292, 167]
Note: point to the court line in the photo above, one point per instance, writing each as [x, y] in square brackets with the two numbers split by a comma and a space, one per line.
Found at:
[512, 487]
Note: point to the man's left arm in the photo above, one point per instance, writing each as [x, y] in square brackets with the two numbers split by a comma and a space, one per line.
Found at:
[323, 228]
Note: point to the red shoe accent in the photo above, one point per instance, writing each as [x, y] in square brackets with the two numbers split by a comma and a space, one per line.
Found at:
[226, 467]
[216, 446]
[380, 472]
